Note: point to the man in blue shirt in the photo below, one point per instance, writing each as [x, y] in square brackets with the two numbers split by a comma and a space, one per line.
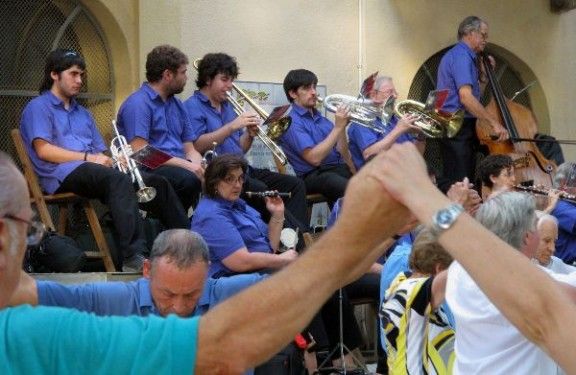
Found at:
[214, 120]
[66, 151]
[153, 115]
[565, 212]
[458, 72]
[313, 144]
[364, 142]
[174, 282]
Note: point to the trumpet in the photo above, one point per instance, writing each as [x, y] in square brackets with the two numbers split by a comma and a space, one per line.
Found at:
[275, 129]
[209, 155]
[268, 193]
[121, 151]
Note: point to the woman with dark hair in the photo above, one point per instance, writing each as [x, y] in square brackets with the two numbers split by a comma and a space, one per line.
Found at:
[239, 240]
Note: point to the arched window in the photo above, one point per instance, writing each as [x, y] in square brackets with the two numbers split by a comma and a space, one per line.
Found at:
[30, 29]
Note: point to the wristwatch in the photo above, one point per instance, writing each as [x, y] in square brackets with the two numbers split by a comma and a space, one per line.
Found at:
[444, 218]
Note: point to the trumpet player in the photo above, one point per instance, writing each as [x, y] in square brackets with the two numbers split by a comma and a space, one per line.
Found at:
[365, 142]
[66, 151]
[153, 115]
[215, 120]
[315, 146]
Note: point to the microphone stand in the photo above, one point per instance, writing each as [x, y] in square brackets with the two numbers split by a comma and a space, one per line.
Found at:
[340, 347]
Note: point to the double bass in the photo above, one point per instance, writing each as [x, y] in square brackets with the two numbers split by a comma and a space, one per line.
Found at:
[531, 167]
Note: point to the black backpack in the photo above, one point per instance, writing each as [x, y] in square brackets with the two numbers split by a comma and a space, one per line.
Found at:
[55, 253]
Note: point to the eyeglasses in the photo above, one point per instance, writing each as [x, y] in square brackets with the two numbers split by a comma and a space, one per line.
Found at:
[35, 232]
[231, 180]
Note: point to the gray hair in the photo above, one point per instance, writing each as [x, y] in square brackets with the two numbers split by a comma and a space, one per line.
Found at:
[510, 216]
[381, 80]
[14, 192]
[565, 172]
[182, 246]
[469, 24]
[543, 216]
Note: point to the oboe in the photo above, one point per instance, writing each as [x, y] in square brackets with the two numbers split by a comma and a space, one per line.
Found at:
[269, 193]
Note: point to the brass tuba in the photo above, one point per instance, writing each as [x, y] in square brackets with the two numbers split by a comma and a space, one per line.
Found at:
[362, 111]
[433, 123]
[275, 129]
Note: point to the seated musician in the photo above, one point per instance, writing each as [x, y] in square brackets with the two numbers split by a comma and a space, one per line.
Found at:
[240, 242]
[238, 239]
[214, 120]
[497, 174]
[66, 151]
[364, 142]
[548, 231]
[153, 115]
[315, 147]
[413, 319]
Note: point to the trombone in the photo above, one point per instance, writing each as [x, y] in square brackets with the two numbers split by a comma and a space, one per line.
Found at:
[275, 129]
[121, 151]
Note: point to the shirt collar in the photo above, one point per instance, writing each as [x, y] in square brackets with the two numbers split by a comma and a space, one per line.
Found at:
[151, 92]
[145, 301]
[469, 50]
[301, 111]
[57, 102]
[239, 204]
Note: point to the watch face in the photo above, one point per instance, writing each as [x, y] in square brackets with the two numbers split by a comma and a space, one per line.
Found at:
[444, 218]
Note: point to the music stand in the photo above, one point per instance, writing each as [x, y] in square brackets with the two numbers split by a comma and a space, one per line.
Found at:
[340, 347]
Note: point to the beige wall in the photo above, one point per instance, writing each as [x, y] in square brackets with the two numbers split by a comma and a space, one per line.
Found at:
[271, 37]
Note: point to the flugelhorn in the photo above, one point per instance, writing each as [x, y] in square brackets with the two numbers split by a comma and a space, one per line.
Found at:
[121, 151]
[275, 129]
[362, 111]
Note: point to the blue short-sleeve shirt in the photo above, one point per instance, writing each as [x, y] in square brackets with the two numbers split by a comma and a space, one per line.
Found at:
[458, 68]
[306, 131]
[227, 227]
[204, 119]
[566, 244]
[106, 298]
[163, 124]
[74, 129]
[361, 137]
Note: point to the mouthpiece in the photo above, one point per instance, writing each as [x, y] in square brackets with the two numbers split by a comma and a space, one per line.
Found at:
[270, 193]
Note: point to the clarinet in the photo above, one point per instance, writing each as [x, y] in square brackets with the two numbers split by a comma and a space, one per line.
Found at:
[269, 193]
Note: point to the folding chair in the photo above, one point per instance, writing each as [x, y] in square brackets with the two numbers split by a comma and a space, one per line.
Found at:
[41, 201]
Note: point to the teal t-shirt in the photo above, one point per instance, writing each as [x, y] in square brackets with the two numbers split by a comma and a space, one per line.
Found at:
[52, 340]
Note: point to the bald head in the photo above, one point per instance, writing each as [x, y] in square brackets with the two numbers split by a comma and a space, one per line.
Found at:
[14, 192]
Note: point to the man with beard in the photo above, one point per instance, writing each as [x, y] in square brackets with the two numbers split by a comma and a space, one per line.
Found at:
[153, 115]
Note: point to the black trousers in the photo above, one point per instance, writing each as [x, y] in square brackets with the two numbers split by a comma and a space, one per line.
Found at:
[459, 155]
[115, 190]
[184, 182]
[296, 210]
[328, 180]
[166, 206]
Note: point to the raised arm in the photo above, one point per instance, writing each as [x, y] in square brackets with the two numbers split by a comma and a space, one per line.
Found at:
[282, 305]
[315, 155]
[531, 300]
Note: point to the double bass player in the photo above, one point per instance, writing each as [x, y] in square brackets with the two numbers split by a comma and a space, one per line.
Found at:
[459, 72]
